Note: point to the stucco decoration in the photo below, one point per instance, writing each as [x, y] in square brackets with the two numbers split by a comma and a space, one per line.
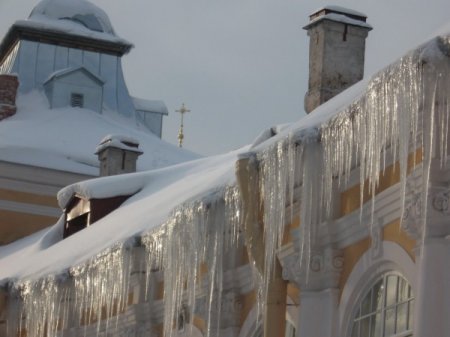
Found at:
[441, 202]
[412, 216]
[323, 270]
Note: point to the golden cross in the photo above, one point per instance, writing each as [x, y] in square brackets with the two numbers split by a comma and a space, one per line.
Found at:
[182, 111]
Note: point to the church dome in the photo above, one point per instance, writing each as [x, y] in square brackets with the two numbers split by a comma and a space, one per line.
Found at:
[79, 11]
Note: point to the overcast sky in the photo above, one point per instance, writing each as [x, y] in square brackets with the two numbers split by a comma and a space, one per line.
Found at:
[239, 65]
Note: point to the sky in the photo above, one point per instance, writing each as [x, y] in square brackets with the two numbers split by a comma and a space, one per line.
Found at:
[240, 66]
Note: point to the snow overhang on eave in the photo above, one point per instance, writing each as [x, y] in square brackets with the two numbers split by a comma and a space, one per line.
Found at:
[22, 30]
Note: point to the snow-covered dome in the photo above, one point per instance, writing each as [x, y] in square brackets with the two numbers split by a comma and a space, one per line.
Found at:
[80, 11]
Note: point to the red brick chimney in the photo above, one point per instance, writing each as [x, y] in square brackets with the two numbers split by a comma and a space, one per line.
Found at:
[8, 91]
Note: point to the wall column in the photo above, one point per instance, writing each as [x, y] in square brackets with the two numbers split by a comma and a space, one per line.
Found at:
[318, 313]
[432, 307]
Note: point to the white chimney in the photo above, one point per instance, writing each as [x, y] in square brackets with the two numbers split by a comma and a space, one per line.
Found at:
[117, 154]
[337, 39]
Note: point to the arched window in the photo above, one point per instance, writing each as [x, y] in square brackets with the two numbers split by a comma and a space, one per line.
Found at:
[385, 310]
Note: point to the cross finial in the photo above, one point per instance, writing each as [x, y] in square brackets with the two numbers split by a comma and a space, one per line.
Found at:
[182, 111]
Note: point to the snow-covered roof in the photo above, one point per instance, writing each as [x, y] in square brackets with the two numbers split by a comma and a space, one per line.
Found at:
[63, 72]
[66, 138]
[338, 18]
[76, 23]
[162, 191]
[80, 11]
[340, 9]
[155, 106]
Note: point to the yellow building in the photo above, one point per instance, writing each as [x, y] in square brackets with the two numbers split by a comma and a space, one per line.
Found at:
[336, 225]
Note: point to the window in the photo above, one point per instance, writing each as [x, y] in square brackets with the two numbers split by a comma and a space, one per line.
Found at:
[386, 310]
[290, 330]
[77, 100]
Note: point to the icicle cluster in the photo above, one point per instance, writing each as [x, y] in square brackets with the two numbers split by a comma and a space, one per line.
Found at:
[89, 299]
[404, 108]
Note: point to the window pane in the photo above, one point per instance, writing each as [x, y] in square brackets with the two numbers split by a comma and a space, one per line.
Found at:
[365, 327]
[402, 317]
[355, 330]
[377, 326]
[391, 290]
[366, 304]
[403, 290]
[389, 322]
[410, 314]
[378, 290]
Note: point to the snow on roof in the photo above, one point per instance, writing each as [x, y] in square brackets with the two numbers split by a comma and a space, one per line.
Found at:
[66, 138]
[338, 18]
[160, 192]
[156, 106]
[43, 23]
[118, 142]
[62, 72]
[340, 9]
[81, 11]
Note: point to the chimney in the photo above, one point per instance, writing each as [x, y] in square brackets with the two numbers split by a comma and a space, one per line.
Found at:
[8, 91]
[117, 154]
[337, 38]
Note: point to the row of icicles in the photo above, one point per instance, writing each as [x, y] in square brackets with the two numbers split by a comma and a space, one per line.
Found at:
[404, 108]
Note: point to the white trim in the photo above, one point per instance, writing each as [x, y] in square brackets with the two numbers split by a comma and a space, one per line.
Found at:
[366, 270]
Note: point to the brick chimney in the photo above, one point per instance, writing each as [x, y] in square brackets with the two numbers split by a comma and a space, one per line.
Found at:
[337, 38]
[8, 91]
[117, 154]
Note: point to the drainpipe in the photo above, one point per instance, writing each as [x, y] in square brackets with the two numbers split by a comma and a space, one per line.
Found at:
[275, 310]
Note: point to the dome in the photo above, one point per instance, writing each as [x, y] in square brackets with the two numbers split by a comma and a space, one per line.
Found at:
[79, 11]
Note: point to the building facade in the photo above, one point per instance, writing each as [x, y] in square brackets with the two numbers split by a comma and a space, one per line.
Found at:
[336, 227]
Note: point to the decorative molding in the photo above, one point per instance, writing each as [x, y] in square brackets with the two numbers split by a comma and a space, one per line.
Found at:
[323, 271]
[441, 202]
[228, 307]
[413, 216]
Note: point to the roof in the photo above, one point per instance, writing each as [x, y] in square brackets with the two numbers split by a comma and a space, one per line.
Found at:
[80, 11]
[68, 23]
[155, 106]
[338, 14]
[119, 142]
[338, 18]
[341, 10]
[67, 71]
[162, 192]
[50, 138]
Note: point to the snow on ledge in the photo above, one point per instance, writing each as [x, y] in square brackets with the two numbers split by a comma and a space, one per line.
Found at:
[119, 142]
[339, 18]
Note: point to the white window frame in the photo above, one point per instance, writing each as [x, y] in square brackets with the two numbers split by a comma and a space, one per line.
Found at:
[384, 306]
[366, 271]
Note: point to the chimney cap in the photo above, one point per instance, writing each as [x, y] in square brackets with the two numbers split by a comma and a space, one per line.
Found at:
[119, 142]
[338, 14]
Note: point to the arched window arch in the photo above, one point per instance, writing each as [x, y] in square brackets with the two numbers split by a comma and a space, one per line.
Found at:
[385, 309]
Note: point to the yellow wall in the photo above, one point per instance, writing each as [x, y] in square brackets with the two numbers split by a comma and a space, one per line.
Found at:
[351, 198]
[28, 198]
[14, 225]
